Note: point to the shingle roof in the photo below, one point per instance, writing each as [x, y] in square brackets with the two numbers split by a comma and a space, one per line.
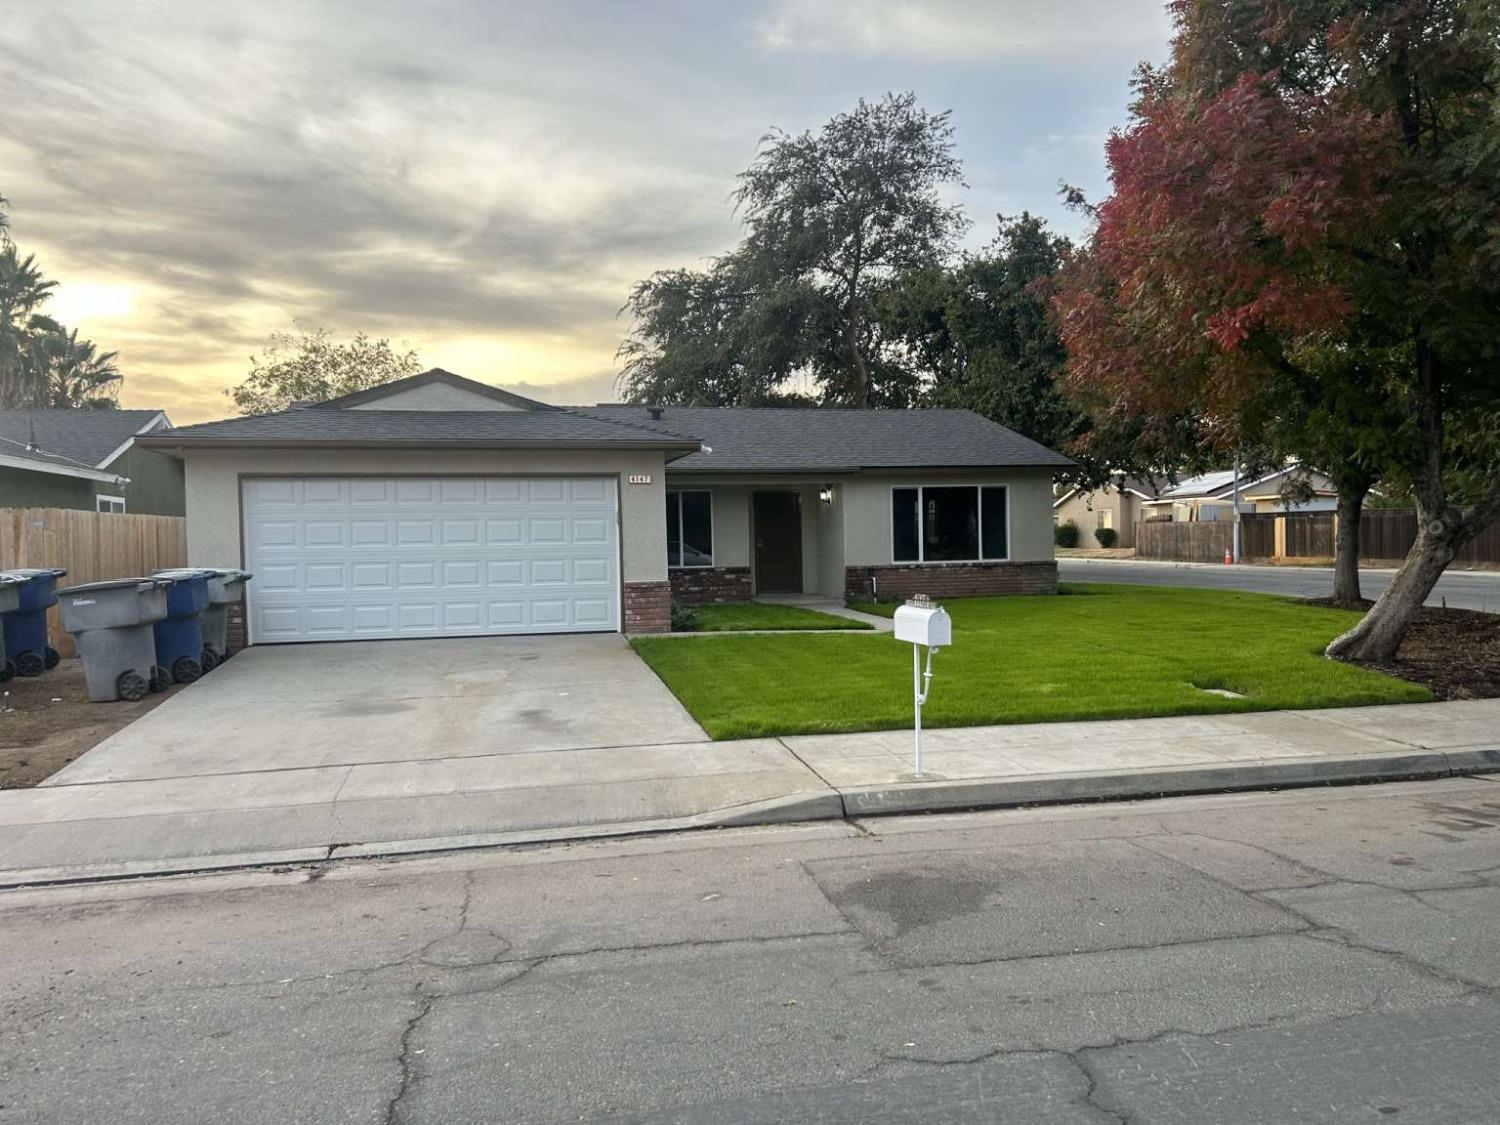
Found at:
[313, 426]
[818, 439]
[86, 436]
[18, 455]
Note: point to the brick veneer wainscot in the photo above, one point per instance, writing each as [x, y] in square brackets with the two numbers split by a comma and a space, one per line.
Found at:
[235, 626]
[952, 580]
[700, 585]
[648, 607]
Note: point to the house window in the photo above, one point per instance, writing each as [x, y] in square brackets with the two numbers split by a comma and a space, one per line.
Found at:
[949, 523]
[109, 504]
[690, 529]
[1106, 518]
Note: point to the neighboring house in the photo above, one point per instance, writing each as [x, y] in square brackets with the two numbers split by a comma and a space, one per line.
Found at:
[125, 477]
[34, 478]
[436, 505]
[1116, 505]
[1210, 496]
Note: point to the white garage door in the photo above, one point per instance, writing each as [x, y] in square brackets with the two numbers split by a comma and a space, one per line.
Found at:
[368, 557]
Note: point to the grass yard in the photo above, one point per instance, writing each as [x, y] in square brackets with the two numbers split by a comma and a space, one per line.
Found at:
[740, 617]
[1093, 652]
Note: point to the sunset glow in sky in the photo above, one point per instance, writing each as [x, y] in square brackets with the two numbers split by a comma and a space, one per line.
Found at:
[482, 180]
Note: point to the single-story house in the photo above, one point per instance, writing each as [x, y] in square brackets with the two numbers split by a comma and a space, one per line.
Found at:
[87, 459]
[1210, 496]
[1115, 505]
[437, 506]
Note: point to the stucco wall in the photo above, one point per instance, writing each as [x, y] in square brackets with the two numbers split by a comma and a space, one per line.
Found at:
[213, 490]
[867, 512]
[830, 523]
[1083, 509]
[20, 489]
[433, 396]
[156, 482]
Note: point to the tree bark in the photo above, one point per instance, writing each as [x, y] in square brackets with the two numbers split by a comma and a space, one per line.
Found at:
[1346, 547]
[1380, 632]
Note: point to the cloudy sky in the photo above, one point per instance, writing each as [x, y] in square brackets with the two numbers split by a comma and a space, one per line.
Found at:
[481, 179]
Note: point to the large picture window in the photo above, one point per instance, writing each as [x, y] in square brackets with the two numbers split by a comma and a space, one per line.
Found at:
[690, 529]
[949, 523]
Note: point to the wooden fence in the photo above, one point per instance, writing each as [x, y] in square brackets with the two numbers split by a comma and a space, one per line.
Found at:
[90, 546]
[1385, 534]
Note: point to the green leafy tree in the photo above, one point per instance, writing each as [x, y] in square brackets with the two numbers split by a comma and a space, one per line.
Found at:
[309, 366]
[69, 373]
[830, 219]
[982, 335]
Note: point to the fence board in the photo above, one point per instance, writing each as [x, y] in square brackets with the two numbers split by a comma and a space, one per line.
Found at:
[91, 546]
[1183, 542]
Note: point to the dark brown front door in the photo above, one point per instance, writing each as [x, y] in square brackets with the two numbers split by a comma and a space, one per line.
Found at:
[778, 543]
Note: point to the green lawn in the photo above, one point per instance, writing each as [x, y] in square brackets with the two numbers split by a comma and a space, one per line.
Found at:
[1093, 652]
[739, 617]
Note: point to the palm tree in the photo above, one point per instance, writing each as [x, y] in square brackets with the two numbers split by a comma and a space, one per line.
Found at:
[68, 373]
[23, 290]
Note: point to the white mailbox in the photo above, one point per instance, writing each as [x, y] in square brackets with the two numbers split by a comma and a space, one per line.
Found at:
[924, 625]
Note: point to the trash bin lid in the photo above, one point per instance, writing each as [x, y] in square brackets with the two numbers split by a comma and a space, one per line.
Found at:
[30, 573]
[184, 573]
[9, 579]
[110, 584]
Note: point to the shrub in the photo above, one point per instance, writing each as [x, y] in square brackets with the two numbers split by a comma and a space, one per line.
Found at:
[1107, 537]
[685, 618]
[1065, 534]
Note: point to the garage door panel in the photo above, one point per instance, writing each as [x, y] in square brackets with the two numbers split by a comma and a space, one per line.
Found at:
[397, 557]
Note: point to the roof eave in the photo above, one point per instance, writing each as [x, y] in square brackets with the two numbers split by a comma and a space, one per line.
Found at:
[171, 442]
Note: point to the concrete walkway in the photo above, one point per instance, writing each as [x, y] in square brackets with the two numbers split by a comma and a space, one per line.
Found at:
[89, 827]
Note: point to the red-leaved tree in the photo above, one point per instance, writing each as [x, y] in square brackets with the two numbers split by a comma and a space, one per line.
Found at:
[1293, 193]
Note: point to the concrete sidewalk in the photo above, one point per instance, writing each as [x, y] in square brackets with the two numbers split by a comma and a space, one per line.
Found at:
[110, 828]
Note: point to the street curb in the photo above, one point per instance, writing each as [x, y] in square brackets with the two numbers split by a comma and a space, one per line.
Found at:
[931, 796]
[799, 808]
[1063, 788]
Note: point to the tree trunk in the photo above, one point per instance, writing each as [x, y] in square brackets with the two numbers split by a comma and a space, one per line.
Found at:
[1346, 548]
[1380, 632]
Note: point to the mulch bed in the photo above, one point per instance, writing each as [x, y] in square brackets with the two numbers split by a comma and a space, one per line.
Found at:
[1455, 653]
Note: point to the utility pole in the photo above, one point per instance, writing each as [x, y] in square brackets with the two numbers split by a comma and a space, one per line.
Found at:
[1236, 507]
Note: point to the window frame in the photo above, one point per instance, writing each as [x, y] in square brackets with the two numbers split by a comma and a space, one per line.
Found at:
[679, 493]
[112, 510]
[921, 559]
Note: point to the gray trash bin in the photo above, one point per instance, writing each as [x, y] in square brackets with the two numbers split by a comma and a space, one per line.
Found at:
[10, 599]
[224, 589]
[111, 624]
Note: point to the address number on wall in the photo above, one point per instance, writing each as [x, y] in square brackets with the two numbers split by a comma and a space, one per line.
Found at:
[640, 478]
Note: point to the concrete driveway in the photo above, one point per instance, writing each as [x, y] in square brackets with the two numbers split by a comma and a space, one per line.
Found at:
[297, 706]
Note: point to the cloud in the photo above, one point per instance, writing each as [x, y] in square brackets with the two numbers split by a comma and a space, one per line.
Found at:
[483, 178]
[961, 29]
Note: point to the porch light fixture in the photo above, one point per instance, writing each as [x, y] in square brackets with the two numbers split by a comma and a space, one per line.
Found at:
[825, 494]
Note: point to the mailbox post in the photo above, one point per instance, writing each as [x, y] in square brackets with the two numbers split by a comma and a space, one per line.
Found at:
[926, 626]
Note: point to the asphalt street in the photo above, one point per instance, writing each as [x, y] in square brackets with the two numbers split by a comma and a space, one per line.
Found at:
[1317, 956]
[1458, 589]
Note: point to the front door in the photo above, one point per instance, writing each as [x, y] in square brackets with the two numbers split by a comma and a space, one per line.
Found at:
[778, 543]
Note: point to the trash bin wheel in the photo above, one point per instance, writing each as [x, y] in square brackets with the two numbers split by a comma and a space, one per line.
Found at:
[185, 669]
[209, 660]
[132, 686]
[7, 670]
[31, 664]
[161, 679]
[51, 656]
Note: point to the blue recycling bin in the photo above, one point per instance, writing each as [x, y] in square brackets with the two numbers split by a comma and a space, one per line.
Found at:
[179, 635]
[26, 641]
[10, 601]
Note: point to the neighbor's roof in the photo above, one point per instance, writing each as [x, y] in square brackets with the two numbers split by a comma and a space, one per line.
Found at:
[821, 439]
[313, 426]
[427, 378]
[86, 436]
[17, 455]
[1205, 484]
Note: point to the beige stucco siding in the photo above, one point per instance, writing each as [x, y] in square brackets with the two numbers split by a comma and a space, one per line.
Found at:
[830, 538]
[867, 512]
[213, 490]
